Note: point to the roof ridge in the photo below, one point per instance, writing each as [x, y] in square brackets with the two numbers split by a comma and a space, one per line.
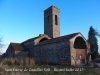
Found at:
[59, 39]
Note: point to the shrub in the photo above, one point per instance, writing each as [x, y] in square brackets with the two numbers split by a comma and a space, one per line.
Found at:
[4, 61]
[17, 61]
[32, 62]
[1, 68]
[26, 61]
[21, 62]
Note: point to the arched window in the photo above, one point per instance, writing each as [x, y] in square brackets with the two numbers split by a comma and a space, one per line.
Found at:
[56, 20]
[43, 39]
[79, 43]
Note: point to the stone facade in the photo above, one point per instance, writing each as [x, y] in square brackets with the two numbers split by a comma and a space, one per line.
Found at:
[53, 53]
[77, 53]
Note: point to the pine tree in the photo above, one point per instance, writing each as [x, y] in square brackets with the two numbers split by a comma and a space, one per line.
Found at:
[93, 42]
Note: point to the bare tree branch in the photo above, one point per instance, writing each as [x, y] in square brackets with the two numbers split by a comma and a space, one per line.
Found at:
[92, 52]
[97, 33]
[1, 44]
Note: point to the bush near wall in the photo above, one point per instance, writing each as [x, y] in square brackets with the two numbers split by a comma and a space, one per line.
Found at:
[21, 62]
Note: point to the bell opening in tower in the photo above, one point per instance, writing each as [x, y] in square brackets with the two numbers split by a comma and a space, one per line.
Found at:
[56, 20]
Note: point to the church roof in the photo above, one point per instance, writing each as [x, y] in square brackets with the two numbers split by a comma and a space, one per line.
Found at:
[31, 39]
[17, 46]
[58, 39]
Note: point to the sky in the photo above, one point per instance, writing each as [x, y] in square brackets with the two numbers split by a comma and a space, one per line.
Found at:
[24, 19]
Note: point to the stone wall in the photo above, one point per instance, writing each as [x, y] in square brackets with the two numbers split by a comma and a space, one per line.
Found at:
[9, 52]
[55, 53]
[56, 28]
[30, 47]
[21, 54]
[72, 53]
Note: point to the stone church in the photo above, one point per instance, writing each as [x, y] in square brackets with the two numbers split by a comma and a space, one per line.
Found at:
[50, 47]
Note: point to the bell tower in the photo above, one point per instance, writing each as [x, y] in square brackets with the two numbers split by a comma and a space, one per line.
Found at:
[52, 22]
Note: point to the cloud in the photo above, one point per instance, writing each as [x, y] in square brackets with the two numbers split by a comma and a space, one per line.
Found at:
[6, 43]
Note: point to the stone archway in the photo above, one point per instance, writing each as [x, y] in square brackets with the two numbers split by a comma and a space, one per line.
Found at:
[43, 39]
[79, 43]
[80, 47]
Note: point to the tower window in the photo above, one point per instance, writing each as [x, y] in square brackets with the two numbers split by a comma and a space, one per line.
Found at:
[56, 21]
[48, 18]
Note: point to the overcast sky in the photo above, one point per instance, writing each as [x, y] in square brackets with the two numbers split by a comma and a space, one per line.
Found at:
[24, 19]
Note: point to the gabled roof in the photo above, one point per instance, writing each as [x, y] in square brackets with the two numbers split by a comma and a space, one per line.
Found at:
[32, 39]
[17, 46]
[59, 39]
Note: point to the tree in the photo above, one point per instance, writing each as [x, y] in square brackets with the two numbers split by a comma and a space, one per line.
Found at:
[88, 56]
[93, 42]
[1, 44]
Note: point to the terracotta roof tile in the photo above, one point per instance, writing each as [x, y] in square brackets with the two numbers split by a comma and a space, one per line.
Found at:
[17, 46]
